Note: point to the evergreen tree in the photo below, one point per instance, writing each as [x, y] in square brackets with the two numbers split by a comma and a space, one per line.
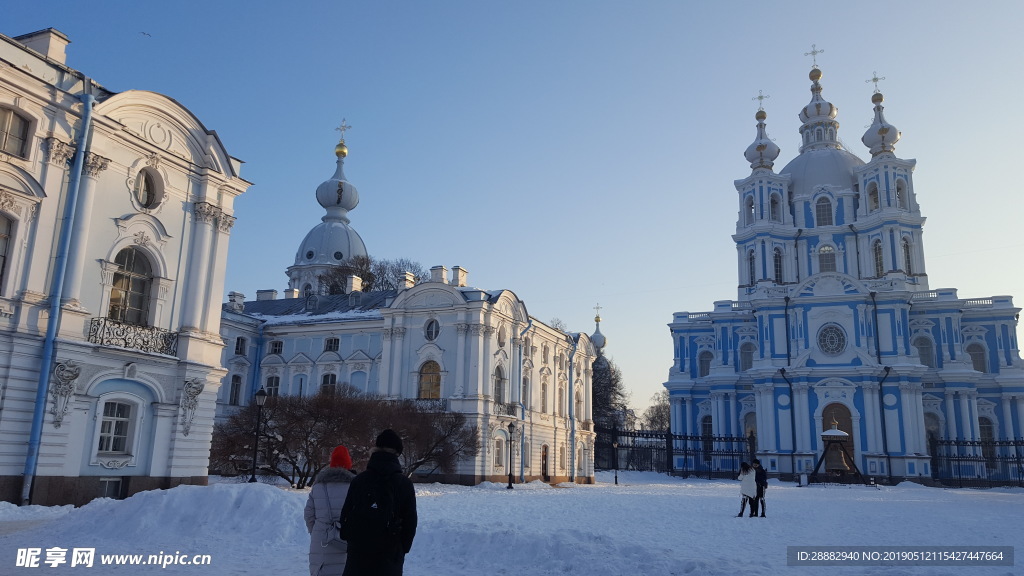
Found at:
[610, 396]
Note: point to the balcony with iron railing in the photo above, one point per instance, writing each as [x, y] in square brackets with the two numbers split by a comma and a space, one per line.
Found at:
[433, 404]
[107, 332]
[506, 409]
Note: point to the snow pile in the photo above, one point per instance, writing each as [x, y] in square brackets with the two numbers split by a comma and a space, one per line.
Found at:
[649, 524]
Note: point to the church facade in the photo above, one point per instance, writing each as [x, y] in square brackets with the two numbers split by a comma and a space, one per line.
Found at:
[115, 215]
[835, 323]
[440, 341]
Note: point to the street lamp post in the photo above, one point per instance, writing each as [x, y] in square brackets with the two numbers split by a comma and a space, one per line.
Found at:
[511, 431]
[615, 457]
[261, 399]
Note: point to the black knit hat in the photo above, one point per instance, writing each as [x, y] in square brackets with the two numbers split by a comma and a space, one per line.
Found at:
[388, 439]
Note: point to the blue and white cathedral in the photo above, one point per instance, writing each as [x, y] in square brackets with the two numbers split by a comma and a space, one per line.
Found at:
[835, 324]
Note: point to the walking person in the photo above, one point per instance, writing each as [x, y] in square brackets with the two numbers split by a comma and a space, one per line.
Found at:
[748, 489]
[327, 553]
[761, 479]
[379, 515]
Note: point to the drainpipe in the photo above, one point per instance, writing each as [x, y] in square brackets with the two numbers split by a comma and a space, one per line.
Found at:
[789, 352]
[56, 293]
[792, 421]
[522, 407]
[572, 412]
[881, 402]
[856, 242]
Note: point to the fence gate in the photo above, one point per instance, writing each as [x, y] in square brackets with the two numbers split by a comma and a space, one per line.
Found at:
[662, 451]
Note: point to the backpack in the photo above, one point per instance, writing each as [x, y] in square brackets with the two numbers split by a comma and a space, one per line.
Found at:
[332, 537]
[370, 517]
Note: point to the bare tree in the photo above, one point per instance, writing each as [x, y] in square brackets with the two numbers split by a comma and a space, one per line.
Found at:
[658, 415]
[559, 324]
[376, 274]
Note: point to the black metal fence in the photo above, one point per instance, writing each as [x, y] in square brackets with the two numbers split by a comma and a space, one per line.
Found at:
[978, 464]
[662, 451]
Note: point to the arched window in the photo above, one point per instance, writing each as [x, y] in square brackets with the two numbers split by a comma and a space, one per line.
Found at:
[777, 261]
[526, 393]
[987, 430]
[977, 353]
[499, 453]
[129, 296]
[704, 363]
[876, 252]
[818, 135]
[430, 381]
[901, 195]
[5, 240]
[826, 259]
[499, 385]
[13, 133]
[578, 408]
[747, 356]
[236, 390]
[329, 384]
[873, 203]
[561, 401]
[431, 330]
[925, 351]
[307, 290]
[544, 397]
[748, 210]
[774, 210]
[751, 268]
[146, 192]
[908, 261]
[823, 212]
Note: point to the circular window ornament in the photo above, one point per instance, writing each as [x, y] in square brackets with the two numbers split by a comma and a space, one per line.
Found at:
[832, 340]
[309, 255]
[338, 256]
[431, 330]
[147, 190]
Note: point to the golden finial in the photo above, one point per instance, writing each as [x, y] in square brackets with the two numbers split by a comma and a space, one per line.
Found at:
[341, 150]
[597, 318]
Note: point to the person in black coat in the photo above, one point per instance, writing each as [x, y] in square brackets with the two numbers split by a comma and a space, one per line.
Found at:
[761, 477]
[387, 556]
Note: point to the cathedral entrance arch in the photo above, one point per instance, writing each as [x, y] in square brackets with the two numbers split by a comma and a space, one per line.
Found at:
[838, 415]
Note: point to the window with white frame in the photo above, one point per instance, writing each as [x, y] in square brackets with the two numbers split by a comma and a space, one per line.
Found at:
[925, 351]
[241, 346]
[704, 363]
[115, 427]
[129, 295]
[561, 401]
[823, 212]
[777, 262]
[13, 133]
[526, 393]
[499, 453]
[331, 345]
[873, 203]
[6, 227]
[908, 260]
[977, 353]
[748, 210]
[276, 347]
[751, 267]
[147, 189]
[775, 209]
[747, 356]
[273, 386]
[561, 457]
[901, 194]
[544, 396]
[876, 253]
[431, 330]
[500, 384]
[826, 259]
[329, 384]
[430, 381]
[578, 409]
[235, 391]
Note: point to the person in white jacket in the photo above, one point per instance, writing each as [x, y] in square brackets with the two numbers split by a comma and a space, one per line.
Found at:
[748, 489]
[323, 508]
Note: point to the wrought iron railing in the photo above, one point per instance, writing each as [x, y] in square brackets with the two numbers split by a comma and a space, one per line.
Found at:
[661, 451]
[433, 404]
[978, 464]
[107, 332]
[506, 409]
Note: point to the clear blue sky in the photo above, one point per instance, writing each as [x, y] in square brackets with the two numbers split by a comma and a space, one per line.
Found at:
[574, 152]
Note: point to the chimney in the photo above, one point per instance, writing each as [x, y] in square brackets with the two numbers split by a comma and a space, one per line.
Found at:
[459, 275]
[438, 274]
[266, 295]
[408, 281]
[353, 283]
[291, 293]
[48, 42]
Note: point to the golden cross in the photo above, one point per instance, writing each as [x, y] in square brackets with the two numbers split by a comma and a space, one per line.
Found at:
[874, 78]
[342, 129]
[761, 97]
[598, 308]
[814, 54]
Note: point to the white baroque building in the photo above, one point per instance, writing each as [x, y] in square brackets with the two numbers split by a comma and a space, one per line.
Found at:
[835, 321]
[115, 215]
[441, 342]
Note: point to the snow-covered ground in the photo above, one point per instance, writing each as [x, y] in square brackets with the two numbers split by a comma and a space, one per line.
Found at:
[648, 524]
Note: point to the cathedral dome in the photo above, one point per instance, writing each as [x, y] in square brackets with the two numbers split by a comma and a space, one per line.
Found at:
[762, 152]
[331, 242]
[831, 167]
[880, 136]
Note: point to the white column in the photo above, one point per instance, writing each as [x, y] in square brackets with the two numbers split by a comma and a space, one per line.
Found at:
[398, 373]
[80, 232]
[217, 272]
[1007, 418]
[460, 360]
[950, 416]
[965, 417]
[688, 418]
[922, 438]
[733, 415]
[803, 440]
[1020, 417]
[196, 281]
[384, 369]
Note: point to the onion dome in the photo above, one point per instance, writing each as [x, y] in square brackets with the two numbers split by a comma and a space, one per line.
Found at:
[598, 339]
[762, 152]
[881, 136]
[819, 129]
[336, 194]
